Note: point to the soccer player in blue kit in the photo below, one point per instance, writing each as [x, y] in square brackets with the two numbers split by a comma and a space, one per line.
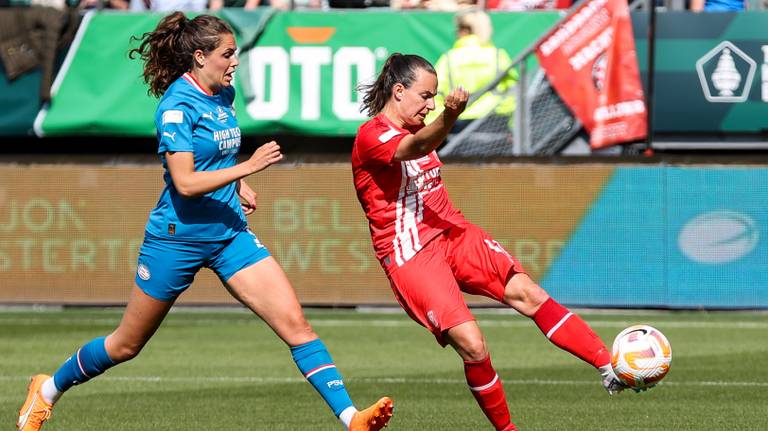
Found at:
[199, 221]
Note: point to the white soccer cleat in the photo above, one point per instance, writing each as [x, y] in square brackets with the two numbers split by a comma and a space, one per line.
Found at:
[611, 383]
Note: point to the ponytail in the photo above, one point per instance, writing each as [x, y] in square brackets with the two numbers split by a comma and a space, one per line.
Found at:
[399, 68]
[167, 50]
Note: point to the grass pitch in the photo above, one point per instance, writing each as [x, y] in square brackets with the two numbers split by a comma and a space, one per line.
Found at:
[226, 370]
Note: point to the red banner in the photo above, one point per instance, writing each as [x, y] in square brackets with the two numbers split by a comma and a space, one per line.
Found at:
[590, 60]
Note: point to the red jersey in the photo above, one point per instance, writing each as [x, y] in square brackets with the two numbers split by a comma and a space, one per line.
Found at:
[405, 201]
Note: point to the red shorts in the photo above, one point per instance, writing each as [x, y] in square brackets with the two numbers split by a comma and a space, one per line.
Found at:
[464, 258]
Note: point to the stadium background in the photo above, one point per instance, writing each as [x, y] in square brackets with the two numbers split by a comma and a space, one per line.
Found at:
[591, 228]
[684, 228]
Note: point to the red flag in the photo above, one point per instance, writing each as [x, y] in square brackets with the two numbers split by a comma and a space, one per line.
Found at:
[590, 60]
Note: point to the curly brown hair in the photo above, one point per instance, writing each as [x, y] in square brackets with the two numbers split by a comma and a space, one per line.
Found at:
[167, 50]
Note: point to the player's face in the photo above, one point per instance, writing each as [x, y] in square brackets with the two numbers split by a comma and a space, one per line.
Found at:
[220, 63]
[419, 99]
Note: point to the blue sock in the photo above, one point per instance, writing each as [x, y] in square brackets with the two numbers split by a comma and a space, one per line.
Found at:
[316, 364]
[88, 362]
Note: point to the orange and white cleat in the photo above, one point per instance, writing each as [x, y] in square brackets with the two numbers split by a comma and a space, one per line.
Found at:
[374, 417]
[35, 410]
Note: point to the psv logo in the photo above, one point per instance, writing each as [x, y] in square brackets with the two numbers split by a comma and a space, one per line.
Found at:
[143, 272]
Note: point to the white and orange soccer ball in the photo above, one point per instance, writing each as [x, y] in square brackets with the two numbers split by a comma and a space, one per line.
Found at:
[641, 356]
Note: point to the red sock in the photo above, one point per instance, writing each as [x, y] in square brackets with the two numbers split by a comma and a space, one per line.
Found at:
[486, 387]
[568, 332]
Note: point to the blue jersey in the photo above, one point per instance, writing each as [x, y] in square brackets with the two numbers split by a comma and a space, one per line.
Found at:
[189, 120]
[723, 5]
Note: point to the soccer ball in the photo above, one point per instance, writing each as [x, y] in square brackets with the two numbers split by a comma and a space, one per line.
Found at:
[641, 356]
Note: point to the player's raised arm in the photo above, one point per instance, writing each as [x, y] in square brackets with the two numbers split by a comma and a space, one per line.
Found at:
[402, 96]
[431, 136]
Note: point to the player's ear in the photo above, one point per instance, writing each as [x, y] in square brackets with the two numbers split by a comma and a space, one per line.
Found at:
[199, 57]
[397, 91]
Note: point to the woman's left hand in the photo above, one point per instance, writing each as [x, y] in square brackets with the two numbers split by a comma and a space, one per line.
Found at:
[247, 198]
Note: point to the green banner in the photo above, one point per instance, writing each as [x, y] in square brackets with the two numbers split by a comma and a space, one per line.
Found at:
[298, 70]
[99, 91]
[711, 71]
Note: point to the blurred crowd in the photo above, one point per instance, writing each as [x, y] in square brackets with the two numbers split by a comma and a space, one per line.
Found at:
[53, 20]
[433, 5]
[202, 5]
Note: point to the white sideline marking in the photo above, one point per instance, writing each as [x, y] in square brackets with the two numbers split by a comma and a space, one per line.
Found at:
[389, 380]
[321, 322]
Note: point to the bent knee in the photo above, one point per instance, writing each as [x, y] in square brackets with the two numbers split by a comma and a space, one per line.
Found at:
[524, 295]
[121, 351]
[295, 330]
[299, 324]
[472, 349]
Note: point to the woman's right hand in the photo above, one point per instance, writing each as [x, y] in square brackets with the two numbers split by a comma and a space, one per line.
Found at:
[264, 156]
[456, 101]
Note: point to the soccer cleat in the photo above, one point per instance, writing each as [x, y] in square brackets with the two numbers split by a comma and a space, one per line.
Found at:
[638, 390]
[611, 383]
[374, 417]
[35, 410]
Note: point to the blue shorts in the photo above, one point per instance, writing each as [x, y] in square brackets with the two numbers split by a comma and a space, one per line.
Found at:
[166, 268]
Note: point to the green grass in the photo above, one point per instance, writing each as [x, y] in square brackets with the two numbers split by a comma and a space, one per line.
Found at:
[224, 370]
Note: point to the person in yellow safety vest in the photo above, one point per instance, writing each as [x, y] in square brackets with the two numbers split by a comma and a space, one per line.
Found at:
[474, 62]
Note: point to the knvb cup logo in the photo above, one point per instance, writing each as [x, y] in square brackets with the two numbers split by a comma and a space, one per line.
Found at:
[726, 74]
[718, 237]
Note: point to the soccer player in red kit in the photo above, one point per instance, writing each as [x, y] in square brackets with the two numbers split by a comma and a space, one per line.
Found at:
[429, 251]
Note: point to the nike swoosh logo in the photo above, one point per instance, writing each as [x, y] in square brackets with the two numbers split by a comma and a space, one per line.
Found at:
[24, 417]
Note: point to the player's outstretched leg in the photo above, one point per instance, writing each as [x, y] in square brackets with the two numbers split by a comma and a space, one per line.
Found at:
[35, 409]
[317, 366]
[569, 332]
[374, 417]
